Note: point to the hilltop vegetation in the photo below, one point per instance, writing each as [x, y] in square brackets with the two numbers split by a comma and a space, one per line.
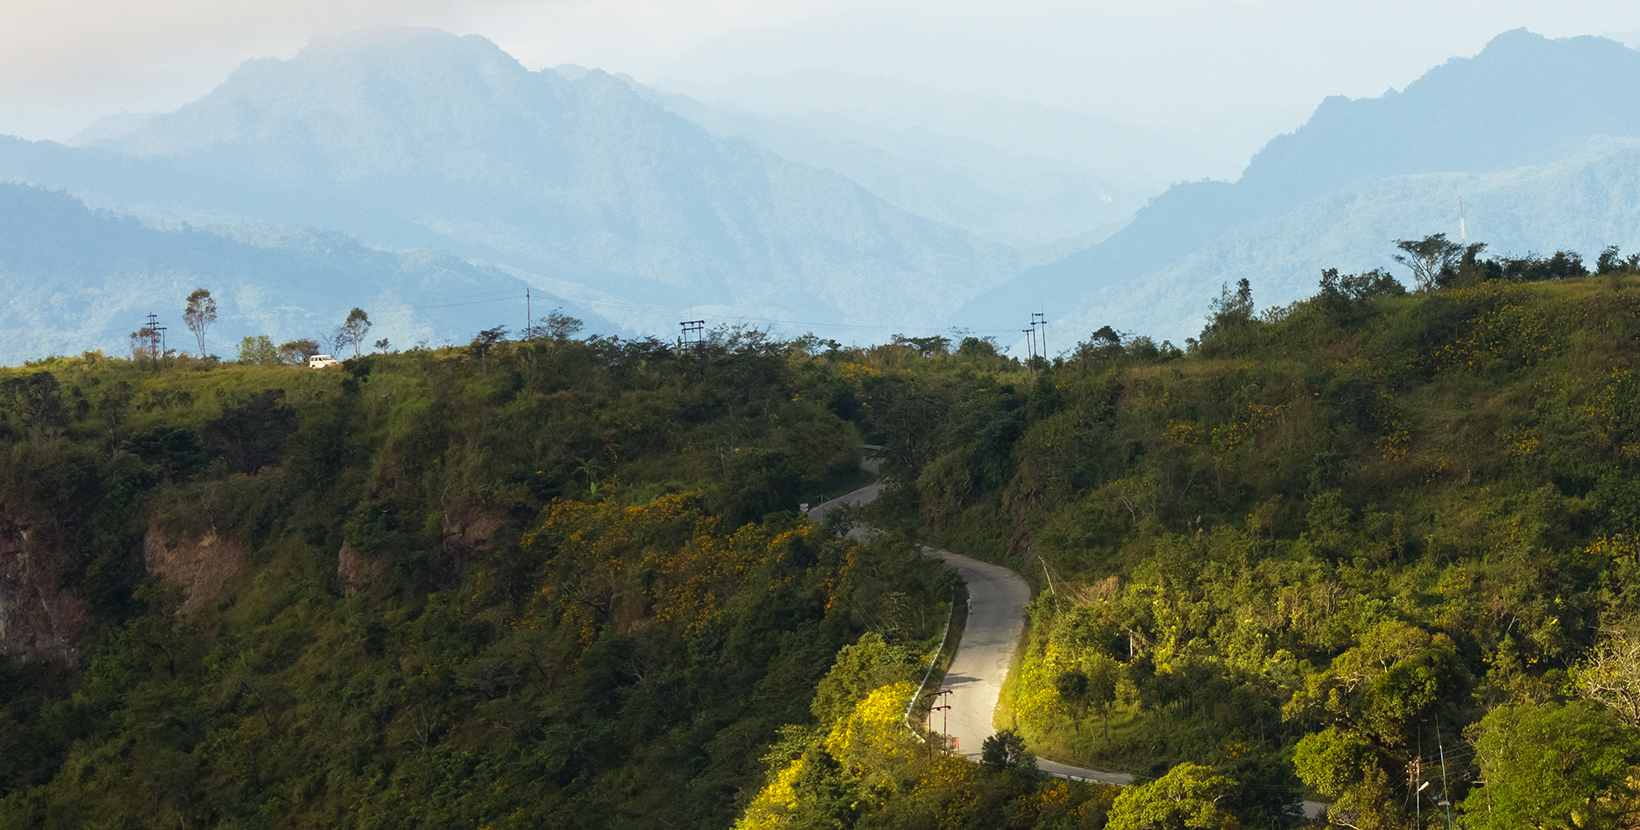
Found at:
[1339, 543]
[1332, 550]
[562, 586]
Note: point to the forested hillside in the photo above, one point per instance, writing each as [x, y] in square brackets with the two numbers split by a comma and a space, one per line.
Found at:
[547, 584]
[1373, 548]
[1347, 547]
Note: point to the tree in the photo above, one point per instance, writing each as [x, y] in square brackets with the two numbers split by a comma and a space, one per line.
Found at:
[826, 796]
[36, 399]
[1379, 695]
[1187, 796]
[199, 315]
[485, 341]
[297, 352]
[251, 432]
[1554, 766]
[258, 351]
[1341, 294]
[1103, 677]
[1610, 675]
[1230, 309]
[1428, 257]
[1343, 765]
[1072, 687]
[556, 326]
[1612, 261]
[861, 668]
[978, 347]
[925, 346]
[1006, 751]
[352, 331]
[145, 344]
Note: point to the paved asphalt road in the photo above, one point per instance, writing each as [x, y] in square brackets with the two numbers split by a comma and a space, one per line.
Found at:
[996, 627]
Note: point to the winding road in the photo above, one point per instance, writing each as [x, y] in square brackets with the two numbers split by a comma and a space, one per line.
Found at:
[996, 627]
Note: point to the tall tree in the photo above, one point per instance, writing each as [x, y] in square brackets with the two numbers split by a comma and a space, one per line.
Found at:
[1187, 797]
[1610, 673]
[36, 399]
[1554, 766]
[485, 341]
[556, 326]
[1006, 751]
[296, 352]
[258, 351]
[1428, 257]
[199, 315]
[352, 331]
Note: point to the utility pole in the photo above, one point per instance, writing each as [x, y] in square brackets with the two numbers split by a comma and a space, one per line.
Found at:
[694, 334]
[1041, 319]
[155, 345]
[1446, 793]
[1463, 233]
[1418, 792]
[529, 317]
[945, 719]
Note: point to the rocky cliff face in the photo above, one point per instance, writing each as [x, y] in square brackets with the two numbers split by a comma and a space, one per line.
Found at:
[356, 573]
[468, 537]
[202, 563]
[39, 618]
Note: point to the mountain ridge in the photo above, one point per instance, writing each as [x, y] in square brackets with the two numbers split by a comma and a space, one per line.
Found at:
[1335, 148]
[77, 279]
[418, 138]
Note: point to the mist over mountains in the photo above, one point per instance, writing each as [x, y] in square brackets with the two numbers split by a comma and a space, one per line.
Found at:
[410, 168]
[75, 279]
[1024, 174]
[418, 139]
[1544, 111]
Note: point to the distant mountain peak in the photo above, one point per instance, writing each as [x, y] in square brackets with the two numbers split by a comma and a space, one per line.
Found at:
[1512, 104]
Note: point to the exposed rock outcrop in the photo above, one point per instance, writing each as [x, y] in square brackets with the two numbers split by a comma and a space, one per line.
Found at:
[39, 618]
[468, 536]
[356, 573]
[201, 562]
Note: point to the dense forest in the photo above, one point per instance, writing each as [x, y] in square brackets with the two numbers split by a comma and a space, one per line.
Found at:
[1375, 548]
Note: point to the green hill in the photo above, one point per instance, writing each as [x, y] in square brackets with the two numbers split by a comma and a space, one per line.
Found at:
[1339, 550]
[1322, 547]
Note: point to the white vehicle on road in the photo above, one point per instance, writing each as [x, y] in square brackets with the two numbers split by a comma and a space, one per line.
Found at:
[320, 361]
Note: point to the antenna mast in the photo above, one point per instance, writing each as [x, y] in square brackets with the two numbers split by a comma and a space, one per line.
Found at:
[1463, 234]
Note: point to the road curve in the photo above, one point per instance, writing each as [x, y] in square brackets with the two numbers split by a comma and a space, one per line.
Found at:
[995, 629]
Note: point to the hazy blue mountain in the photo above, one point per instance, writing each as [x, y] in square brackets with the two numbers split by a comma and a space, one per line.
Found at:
[1043, 205]
[1580, 204]
[1524, 102]
[111, 128]
[900, 116]
[418, 138]
[76, 280]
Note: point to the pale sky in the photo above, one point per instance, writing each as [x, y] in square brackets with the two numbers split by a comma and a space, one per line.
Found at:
[1246, 64]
